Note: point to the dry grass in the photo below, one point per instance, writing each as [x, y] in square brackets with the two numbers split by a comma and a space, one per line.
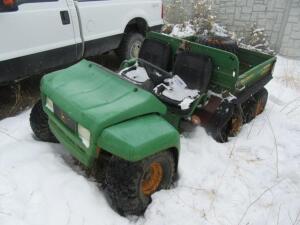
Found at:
[291, 80]
[291, 75]
[256, 200]
[17, 97]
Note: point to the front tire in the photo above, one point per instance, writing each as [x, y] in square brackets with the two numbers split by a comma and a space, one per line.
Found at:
[130, 45]
[39, 124]
[131, 184]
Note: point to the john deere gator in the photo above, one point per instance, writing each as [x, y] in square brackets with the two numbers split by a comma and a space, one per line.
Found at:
[126, 126]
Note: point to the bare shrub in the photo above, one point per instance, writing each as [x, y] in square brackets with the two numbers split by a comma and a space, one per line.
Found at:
[200, 19]
[175, 12]
[257, 39]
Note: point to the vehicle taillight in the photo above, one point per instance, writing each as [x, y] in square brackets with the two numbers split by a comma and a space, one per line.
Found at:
[8, 2]
[162, 11]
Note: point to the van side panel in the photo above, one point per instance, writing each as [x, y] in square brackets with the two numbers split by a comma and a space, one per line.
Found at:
[104, 22]
[35, 40]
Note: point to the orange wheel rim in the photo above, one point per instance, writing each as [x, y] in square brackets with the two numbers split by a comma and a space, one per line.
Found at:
[259, 107]
[152, 179]
[236, 124]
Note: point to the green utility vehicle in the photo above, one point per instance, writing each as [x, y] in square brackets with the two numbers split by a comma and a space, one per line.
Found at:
[125, 127]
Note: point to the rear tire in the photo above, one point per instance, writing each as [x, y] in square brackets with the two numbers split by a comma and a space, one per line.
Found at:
[130, 45]
[39, 124]
[130, 185]
[255, 105]
[231, 128]
[261, 98]
[222, 135]
[248, 110]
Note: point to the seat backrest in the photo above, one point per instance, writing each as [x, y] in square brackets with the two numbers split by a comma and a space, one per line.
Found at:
[157, 53]
[194, 69]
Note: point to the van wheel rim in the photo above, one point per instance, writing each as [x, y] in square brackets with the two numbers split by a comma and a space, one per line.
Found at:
[152, 179]
[135, 49]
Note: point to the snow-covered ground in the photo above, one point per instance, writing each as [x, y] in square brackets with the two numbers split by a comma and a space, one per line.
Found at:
[253, 179]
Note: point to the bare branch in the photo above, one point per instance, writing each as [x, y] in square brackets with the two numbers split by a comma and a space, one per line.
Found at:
[276, 146]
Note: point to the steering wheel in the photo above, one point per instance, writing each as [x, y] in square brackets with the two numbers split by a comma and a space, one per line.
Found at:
[156, 74]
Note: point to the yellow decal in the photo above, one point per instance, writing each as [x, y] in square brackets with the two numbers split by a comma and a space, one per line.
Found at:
[266, 69]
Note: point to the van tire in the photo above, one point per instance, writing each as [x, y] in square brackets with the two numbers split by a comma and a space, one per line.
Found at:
[39, 124]
[129, 46]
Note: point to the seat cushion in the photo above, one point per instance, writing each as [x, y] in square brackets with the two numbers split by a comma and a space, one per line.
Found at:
[192, 73]
[136, 74]
[175, 92]
[157, 53]
[194, 69]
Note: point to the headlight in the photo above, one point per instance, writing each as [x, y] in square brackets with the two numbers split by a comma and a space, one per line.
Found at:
[49, 104]
[84, 135]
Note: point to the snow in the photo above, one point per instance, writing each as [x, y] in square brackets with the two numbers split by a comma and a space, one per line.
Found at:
[259, 30]
[183, 30]
[186, 103]
[255, 41]
[252, 179]
[219, 30]
[196, 27]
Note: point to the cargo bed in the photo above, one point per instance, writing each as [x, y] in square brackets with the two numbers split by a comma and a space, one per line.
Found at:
[233, 72]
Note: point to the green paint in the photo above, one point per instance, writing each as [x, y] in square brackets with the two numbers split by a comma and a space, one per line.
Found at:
[126, 120]
[229, 71]
[140, 137]
[96, 98]
[225, 63]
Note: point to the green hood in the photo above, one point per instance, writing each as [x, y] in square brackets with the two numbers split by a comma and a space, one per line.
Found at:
[96, 97]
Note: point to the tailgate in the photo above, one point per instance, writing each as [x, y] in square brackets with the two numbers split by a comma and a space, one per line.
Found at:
[253, 66]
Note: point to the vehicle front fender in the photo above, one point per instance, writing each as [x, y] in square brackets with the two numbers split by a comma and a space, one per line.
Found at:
[138, 138]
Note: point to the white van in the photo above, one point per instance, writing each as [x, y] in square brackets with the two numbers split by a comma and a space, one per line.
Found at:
[38, 36]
